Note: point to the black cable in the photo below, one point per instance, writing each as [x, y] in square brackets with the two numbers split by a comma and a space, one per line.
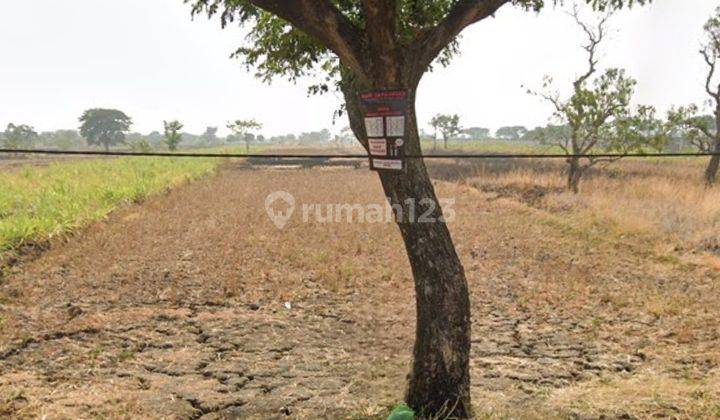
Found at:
[354, 156]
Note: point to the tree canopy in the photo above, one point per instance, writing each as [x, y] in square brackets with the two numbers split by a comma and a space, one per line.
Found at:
[19, 136]
[477, 133]
[295, 38]
[447, 125]
[173, 136]
[104, 127]
[514, 132]
[242, 130]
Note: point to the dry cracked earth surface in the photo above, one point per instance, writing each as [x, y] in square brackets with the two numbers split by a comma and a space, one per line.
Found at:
[193, 305]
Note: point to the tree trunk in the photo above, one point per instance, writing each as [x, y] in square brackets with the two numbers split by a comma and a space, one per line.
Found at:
[439, 383]
[247, 148]
[712, 168]
[574, 174]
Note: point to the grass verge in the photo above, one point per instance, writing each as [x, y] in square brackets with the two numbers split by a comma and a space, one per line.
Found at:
[37, 204]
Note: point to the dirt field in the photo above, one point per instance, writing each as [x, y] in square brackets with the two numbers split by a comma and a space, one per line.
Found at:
[194, 305]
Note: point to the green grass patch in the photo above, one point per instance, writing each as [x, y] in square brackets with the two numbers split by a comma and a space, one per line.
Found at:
[39, 203]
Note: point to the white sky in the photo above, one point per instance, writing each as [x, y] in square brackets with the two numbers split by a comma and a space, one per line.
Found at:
[147, 58]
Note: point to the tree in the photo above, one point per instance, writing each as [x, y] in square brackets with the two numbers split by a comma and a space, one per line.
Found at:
[242, 129]
[19, 136]
[210, 135]
[550, 134]
[477, 133]
[63, 139]
[322, 136]
[598, 117]
[512, 133]
[359, 45]
[106, 127]
[140, 145]
[173, 136]
[703, 131]
[447, 125]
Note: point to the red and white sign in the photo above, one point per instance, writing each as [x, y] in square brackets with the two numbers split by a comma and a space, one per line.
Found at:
[388, 164]
[378, 147]
[385, 114]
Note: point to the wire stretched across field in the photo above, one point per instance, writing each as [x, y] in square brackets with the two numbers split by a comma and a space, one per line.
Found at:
[356, 156]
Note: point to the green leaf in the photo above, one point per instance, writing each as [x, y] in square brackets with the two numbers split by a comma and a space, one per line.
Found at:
[402, 412]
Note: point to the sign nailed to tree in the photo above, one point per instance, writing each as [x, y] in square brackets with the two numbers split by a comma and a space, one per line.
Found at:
[385, 113]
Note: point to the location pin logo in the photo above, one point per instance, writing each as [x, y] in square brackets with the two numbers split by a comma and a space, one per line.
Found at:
[280, 218]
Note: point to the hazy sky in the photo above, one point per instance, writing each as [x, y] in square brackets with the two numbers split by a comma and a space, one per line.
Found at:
[58, 58]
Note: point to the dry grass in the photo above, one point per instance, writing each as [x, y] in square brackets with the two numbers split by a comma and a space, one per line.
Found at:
[649, 396]
[666, 200]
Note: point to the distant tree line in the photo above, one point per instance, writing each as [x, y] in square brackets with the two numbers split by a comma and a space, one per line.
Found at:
[111, 129]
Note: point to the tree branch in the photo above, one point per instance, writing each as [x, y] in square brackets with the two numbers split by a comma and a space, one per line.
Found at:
[431, 42]
[324, 22]
[606, 160]
[595, 37]
[705, 130]
[553, 98]
[703, 146]
[711, 62]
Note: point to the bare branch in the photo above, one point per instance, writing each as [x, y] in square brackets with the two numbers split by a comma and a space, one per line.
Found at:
[564, 147]
[605, 160]
[554, 99]
[432, 41]
[588, 143]
[711, 62]
[595, 37]
[324, 22]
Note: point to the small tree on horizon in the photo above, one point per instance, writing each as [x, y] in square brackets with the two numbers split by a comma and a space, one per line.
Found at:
[477, 133]
[104, 127]
[242, 129]
[512, 133]
[597, 117]
[173, 136]
[19, 136]
[210, 135]
[63, 139]
[703, 131]
[447, 125]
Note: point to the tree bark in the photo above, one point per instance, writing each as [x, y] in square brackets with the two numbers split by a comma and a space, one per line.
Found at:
[712, 168]
[439, 383]
[574, 175]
